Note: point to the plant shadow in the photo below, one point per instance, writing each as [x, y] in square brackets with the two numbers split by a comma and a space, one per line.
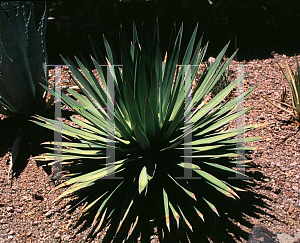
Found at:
[30, 145]
[235, 217]
[229, 227]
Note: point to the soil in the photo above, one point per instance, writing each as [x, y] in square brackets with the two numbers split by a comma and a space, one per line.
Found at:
[272, 200]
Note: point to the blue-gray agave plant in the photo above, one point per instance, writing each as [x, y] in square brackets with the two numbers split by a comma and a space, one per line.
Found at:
[23, 66]
[23, 63]
[149, 143]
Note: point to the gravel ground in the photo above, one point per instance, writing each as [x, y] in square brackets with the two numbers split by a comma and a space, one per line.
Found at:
[27, 214]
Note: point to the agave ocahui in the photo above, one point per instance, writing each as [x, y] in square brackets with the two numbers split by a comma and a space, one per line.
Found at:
[23, 67]
[149, 140]
[294, 85]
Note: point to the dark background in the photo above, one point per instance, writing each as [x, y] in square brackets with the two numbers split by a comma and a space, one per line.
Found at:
[260, 26]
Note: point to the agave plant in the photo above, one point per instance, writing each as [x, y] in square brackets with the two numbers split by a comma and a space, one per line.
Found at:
[149, 179]
[23, 66]
[23, 63]
[294, 85]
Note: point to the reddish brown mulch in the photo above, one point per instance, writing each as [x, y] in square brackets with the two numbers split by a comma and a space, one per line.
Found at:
[27, 215]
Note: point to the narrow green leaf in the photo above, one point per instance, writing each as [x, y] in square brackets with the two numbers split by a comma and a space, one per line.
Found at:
[187, 165]
[141, 138]
[216, 100]
[100, 222]
[226, 193]
[149, 121]
[151, 167]
[143, 180]
[88, 206]
[215, 181]
[176, 215]
[104, 204]
[125, 215]
[199, 213]
[223, 121]
[166, 208]
[213, 208]
[132, 226]
[223, 168]
[132, 108]
[188, 191]
[185, 219]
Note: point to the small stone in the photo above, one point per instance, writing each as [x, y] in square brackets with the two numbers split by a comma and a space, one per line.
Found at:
[49, 213]
[35, 223]
[65, 238]
[283, 168]
[291, 208]
[10, 209]
[11, 232]
[297, 237]
[261, 234]
[28, 234]
[57, 235]
[3, 221]
[18, 210]
[25, 198]
[277, 190]
[14, 188]
[285, 238]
